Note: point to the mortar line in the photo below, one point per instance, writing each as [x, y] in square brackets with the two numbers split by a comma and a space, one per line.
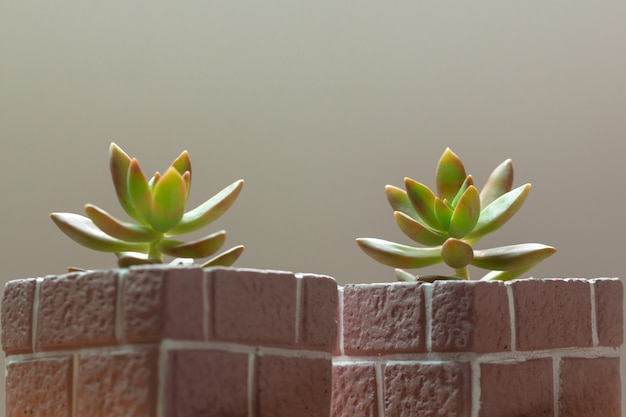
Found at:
[251, 380]
[594, 324]
[476, 389]
[512, 319]
[162, 371]
[119, 306]
[35, 314]
[380, 389]
[428, 310]
[340, 326]
[74, 391]
[205, 307]
[556, 385]
[298, 306]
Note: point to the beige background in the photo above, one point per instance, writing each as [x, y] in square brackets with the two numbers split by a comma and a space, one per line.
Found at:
[318, 105]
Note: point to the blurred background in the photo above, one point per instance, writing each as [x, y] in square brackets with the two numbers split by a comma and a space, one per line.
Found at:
[317, 105]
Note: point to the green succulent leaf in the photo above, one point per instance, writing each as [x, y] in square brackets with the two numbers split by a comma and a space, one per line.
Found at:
[507, 258]
[119, 229]
[505, 275]
[499, 183]
[468, 181]
[119, 164]
[404, 276]
[450, 175]
[466, 214]
[423, 201]
[418, 232]
[200, 248]
[456, 253]
[152, 182]
[84, 231]
[399, 201]
[226, 258]
[140, 193]
[209, 211]
[496, 214]
[397, 255]
[169, 198]
[443, 212]
[182, 164]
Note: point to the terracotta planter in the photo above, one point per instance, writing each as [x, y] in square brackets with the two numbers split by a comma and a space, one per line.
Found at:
[184, 342]
[169, 342]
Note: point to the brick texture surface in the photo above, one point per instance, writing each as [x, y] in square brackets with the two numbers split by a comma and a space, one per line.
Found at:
[319, 311]
[427, 389]
[254, 306]
[17, 316]
[470, 316]
[552, 313]
[118, 385]
[609, 311]
[590, 387]
[292, 386]
[142, 300]
[39, 387]
[517, 389]
[77, 310]
[354, 391]
[383, 319]
[207, 384]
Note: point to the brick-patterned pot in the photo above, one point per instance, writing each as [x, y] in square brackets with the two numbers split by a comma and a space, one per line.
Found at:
[530, 347]
[170, 342]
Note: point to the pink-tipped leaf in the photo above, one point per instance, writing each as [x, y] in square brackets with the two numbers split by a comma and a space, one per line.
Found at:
[126, 231]
[200, 248]
[416, 231]
[168, 201]
[140, 193]
[423, 201]
[499, 183]
[450, 175]
[506, 258]
[397, 255]
[119, 164]
[226, 258]
[466, 214]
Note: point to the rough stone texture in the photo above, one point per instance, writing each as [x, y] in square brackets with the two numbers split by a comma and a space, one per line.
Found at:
[354, 391]
[117, 385]
[319, 311]
[552, 313]
[142, 300]
[207, 384]
[427, 389]
[385, 318]
[517, 389]
[470, 317]
[77, 310]
[17, 315]
[590, 387]
[184, 304]
[254, 306]
[292, 386]
[39, 387]
[609, 311]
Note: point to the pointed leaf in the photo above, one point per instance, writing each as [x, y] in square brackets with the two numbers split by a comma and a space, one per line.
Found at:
[499, 183]
[512, 257]
[423, 201]
[83, 231]
[450, 175]
[397, 255]
[404, 276]
[505, 275]
[169, 197]
[119, 229]
[468, 181]
[418, 232]
[226, 258]
[209, 210]
[399, 201]
[155, 178]
[139, 191]
[119, 164]
[466, 214]
[443, 213]
[496, 214]
[200, 248]
[182, 164]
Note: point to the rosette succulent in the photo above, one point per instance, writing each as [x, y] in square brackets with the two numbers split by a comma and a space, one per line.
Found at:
[157, 206]
[451, 221]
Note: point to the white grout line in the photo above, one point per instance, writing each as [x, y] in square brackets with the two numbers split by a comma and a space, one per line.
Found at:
[476, 388]
[251, 391]
[206, 308]
[513, 329]
[74, 390]
[110, 350]
[428, 311]
[340, 322]
[35, 313]
[119, 305]
[594, 323]
[298, 306]
[556, 387]
[380, 390]
[162, 370]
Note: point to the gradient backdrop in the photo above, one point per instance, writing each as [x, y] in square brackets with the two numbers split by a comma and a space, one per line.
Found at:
[317, 105]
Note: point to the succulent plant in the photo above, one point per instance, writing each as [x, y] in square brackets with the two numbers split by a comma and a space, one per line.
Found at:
[158, 208]
[451, 221]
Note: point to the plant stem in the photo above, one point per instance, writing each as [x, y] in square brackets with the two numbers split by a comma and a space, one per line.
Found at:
[463, 273]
